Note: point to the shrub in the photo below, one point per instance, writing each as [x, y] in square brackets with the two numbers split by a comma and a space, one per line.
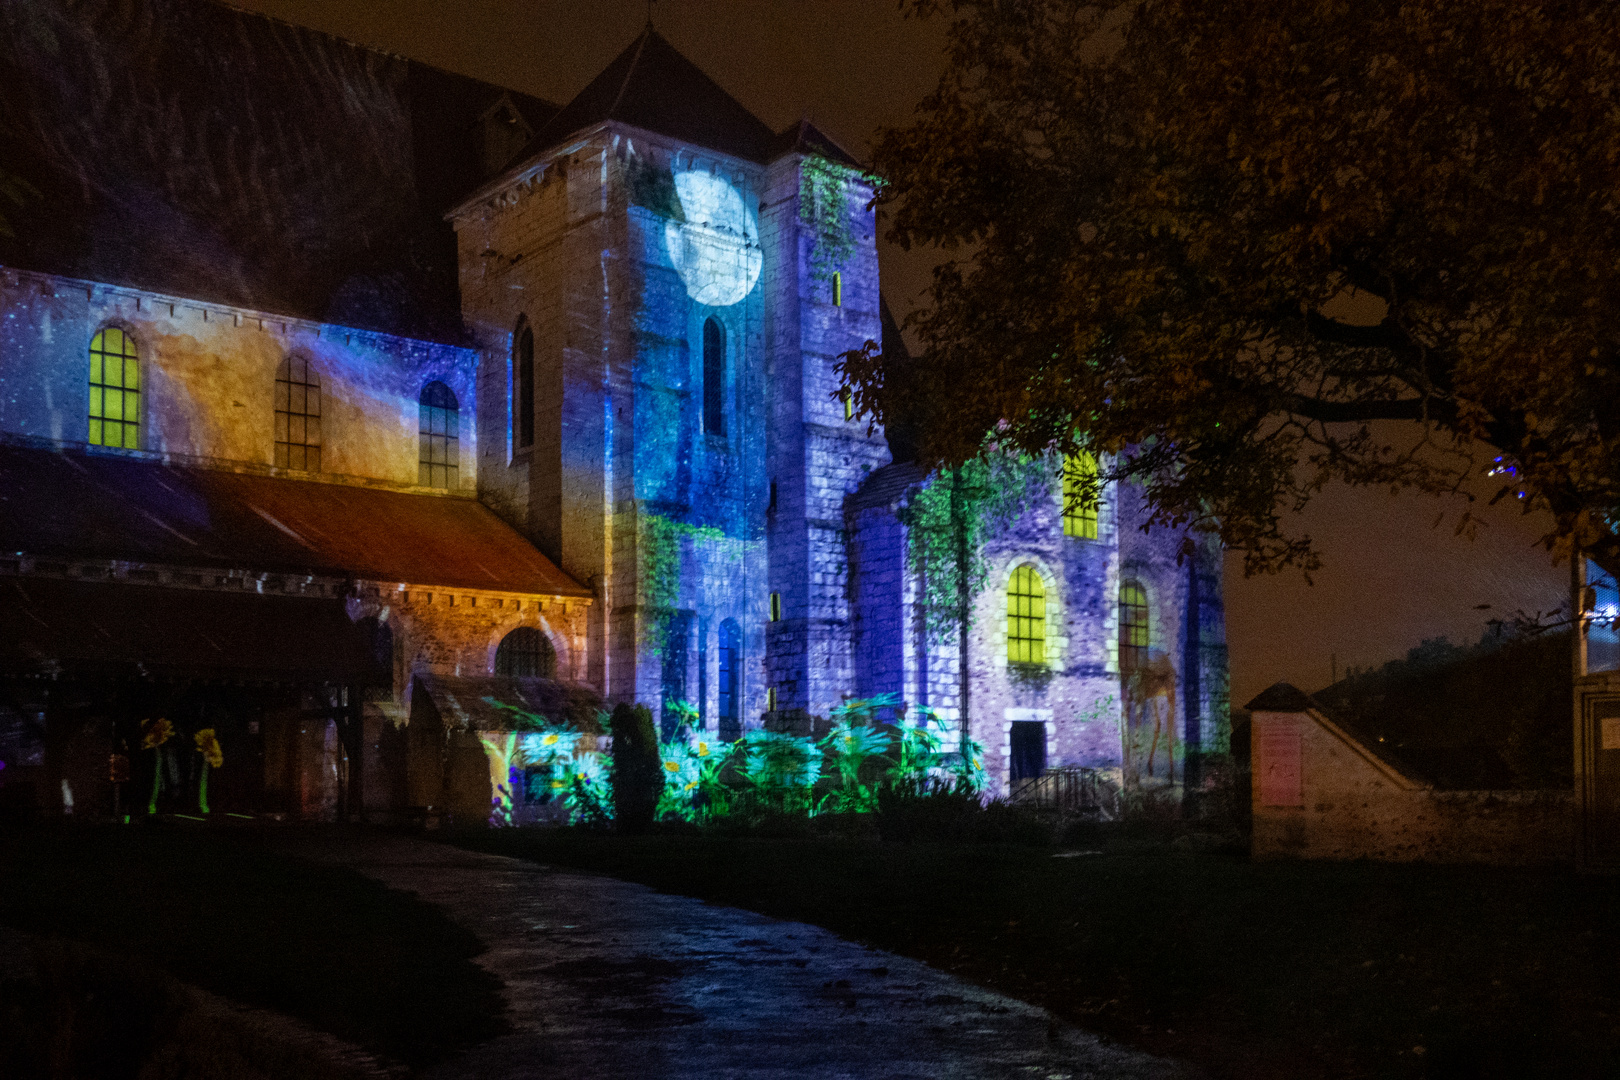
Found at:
[637, 771]
[941, 811]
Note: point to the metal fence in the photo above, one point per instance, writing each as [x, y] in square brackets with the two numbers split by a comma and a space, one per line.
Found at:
[1070, 789]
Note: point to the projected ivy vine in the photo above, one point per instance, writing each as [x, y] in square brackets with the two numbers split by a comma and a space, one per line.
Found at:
[824, 206]
[949, 522]
[660, 576]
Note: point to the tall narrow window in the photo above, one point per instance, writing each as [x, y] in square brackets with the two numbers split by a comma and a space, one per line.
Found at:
[714, 377]
[838, 289]
[673, 714]
[730, 682]
[776, 606]
[439, 462]
[525, 653]
[1134, 631]
[1079, 508]
[1026, 616]
[298, 416]
[770, 699]
[115, 390]
[848, 398]
[523, 387]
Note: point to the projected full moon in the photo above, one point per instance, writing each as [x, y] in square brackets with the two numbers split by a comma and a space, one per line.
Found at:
[716, 249]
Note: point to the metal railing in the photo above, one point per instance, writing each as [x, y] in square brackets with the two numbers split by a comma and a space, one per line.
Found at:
[1069, 789]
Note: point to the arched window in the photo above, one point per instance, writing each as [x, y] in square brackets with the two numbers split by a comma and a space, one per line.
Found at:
[714, 377]
[115, 390]
[440, 425]
[523, 387]
[298, 415]
[1079, 508]
[730, 682]
[1134, 631]
[526, 653]
[1026, 616]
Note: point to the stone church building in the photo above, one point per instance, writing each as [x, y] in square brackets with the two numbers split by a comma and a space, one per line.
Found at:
[334, 387]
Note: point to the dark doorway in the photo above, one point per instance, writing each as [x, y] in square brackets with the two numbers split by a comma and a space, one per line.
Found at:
[1028, 741]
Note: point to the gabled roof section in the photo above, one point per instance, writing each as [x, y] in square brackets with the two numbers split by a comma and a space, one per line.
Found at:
[805, 138]
[193, 149]
[98, 506]
[650, 85]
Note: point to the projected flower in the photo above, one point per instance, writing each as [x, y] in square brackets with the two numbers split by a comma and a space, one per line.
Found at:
[208, 746]
[681, 768]
[154, 733]
[545, 747]
[716, 249]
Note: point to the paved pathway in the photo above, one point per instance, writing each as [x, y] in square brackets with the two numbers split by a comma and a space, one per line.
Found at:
[610, 980]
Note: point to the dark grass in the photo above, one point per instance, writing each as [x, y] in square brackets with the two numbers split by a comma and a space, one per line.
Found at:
[213, 907]
[1285, 970]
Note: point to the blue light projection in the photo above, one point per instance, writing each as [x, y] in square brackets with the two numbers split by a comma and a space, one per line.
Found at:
[716, 249]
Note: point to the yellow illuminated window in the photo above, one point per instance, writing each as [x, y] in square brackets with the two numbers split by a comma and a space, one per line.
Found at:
[770, 700]
[849, 403]
[439, 460]
[115, 390]
[298, 416]
[1026, 617]
[838, 289]
[776, 606]
[1134, 631]
[1079, 510]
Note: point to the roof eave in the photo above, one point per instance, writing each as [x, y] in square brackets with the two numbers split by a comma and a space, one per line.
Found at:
[537, 163]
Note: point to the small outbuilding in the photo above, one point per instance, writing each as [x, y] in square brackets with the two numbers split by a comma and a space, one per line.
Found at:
[450, 768]
[1322, 792]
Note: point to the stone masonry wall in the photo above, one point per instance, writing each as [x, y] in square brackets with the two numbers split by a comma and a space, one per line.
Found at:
[816, 456]
[456, 632]
[208, 378]
[1320, 794]
[1076, 693]
[567, 248]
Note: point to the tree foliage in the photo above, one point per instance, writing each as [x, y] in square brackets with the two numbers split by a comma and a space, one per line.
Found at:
[951, 519]
[1229, 242]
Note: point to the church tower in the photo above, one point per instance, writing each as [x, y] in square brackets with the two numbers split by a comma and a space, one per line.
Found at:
[822, 300]
[660, 288]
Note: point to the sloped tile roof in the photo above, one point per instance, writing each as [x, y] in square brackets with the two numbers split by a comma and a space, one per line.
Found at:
[885, 486]
[475, 702]
[107, 506]
[192, 149]
[651, 85]
[805, 138]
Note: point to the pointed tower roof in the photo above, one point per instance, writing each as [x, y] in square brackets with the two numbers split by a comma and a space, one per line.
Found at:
[805, 138]
[651, 85]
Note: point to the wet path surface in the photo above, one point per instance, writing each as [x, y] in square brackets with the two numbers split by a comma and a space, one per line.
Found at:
[607, 979]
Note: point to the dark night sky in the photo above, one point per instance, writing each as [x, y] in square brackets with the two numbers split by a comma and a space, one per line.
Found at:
[1391, 578]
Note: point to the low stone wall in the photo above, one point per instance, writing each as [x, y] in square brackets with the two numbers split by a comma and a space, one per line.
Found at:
[1318, 793]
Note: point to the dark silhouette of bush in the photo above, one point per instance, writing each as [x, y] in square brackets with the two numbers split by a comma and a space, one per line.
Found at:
[637, 778]
[939, 811]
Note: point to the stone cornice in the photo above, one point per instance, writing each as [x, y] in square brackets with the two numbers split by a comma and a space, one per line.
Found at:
[269, 322]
